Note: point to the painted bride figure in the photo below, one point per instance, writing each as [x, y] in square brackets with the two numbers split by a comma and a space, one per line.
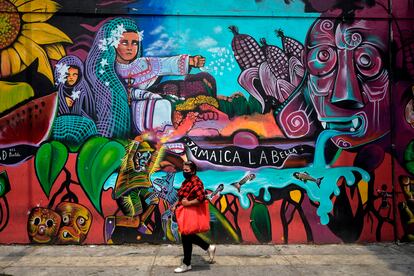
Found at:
[115, 65]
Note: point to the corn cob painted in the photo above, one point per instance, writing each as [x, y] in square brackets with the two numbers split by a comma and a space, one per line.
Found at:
[246, 50]
[291, 46]
[276, 59]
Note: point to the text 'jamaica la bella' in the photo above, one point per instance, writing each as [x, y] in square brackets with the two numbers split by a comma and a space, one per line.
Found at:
[252, 158]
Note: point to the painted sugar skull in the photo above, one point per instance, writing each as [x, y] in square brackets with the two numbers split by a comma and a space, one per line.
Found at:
[76, 222]
[348, 78]
[43, 225]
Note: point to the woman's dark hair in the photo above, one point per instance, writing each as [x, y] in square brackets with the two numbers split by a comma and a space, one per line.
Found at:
[191, 164]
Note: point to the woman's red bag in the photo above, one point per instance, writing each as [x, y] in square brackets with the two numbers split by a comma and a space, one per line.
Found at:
[193, 219]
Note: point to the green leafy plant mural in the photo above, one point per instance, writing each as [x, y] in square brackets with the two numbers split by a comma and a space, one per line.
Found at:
[49, 161]
[98, 158]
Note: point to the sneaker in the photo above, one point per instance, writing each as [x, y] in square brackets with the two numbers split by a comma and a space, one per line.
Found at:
[211, 252]
[182, 268]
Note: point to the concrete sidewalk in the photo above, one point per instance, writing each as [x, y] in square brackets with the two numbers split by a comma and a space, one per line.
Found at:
[148, 259]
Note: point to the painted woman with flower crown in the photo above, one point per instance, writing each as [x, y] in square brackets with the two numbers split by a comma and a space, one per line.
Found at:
[74, 94]
[121, 78]
[75, 122]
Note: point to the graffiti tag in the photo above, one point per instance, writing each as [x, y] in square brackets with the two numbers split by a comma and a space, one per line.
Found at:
[14, 155]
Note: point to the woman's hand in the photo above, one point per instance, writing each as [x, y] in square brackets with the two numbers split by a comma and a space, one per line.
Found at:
[185, 202]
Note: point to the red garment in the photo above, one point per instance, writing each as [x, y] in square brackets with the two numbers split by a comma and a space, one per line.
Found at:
[191, 189]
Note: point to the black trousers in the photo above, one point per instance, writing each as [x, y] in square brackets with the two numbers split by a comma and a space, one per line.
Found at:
[188, 241]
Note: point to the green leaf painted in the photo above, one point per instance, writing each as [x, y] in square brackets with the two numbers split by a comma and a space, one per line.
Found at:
[4, 183]
[220, 229]
[87, 153]
[49, 161]
[410, 167]
[260, 223]
[98, 158]
[409, 157]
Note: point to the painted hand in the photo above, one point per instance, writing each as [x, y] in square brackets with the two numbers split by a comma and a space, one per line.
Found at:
[69, 101]
[197, 61]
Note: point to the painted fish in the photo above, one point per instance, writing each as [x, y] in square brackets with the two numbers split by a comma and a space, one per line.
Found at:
[245, 179]
[304, 176]
[217, 191]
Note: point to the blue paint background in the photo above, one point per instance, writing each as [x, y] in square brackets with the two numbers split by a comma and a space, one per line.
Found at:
[193, 34]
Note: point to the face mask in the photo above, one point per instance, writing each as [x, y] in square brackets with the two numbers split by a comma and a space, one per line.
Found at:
[187, 175]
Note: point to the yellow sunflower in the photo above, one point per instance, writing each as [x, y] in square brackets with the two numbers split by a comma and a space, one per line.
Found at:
[25, 37]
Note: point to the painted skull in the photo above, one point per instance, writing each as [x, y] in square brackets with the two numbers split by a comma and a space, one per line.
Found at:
[43, 225]
[141, 160]
[348, 78]
[76, 222]
[143, 156]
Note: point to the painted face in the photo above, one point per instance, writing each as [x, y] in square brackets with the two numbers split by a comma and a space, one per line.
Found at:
[142, 160]
[76, 221]
[348, 80]
[128, 47]
[73, 75]
[43, 225]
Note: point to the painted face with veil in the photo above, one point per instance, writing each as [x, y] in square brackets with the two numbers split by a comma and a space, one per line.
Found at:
[122, 91]
[74, 94]
[150, 112]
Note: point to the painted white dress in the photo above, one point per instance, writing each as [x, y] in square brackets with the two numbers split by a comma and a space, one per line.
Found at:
[149, 110]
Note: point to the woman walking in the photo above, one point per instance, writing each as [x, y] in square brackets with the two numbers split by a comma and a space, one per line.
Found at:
[191, 193]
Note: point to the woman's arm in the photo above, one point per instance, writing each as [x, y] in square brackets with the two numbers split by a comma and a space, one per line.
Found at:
[185, 202]
[140, 94]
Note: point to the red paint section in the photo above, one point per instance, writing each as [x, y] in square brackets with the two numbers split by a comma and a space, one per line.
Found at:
[26, 193]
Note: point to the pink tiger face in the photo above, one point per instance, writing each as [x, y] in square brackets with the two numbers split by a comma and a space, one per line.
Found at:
[348, 79]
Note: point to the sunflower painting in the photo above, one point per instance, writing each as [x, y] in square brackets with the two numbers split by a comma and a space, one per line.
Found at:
[26, 37]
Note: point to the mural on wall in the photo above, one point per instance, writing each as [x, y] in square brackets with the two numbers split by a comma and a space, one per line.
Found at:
[296, 127]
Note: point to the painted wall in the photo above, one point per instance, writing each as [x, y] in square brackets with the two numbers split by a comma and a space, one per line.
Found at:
[299, 115]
